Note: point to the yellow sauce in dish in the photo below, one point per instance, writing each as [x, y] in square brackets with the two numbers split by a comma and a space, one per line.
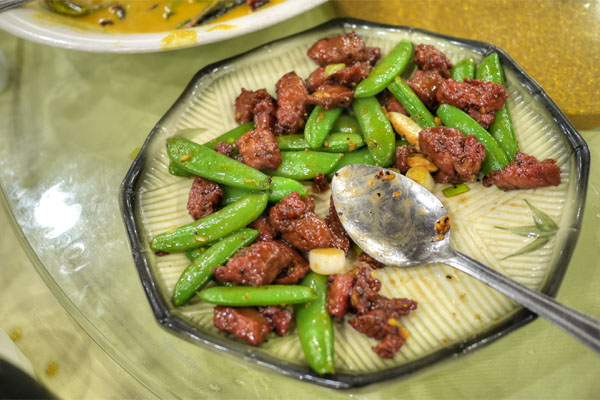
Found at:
[149, 16]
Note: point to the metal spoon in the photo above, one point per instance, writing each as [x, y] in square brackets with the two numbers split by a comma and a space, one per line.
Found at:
[394, 220]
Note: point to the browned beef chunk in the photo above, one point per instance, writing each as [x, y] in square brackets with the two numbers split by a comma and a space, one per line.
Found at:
[402, 153]
[425, 85]
[204, 196]
[349, 76]
[370, 261]
[472, 94]
[339, 237]
[293, 273]
[294, 217]
[376, 315]
[333, 95]
[265, 114]
[280, 318]
[338, 294]
[525, 172]
[225, 148]
[266, 233]
[245, 323]
[320, 184]
[255, 4]
[291, 102]
[259, 264]
[343, 48]
[391, 104]
[429, 57]
[245, 103]
[454, 154]
[259, 149]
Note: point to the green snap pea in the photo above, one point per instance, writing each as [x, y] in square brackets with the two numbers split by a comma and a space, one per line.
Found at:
[305, 165]
[502, 128]
[231, 136]
[212, 227]
[346, 124]
[464, 69]
[207, 163]
[411, 102]
[199, 272]
[319, 124]
[336, 142]
[267, 295]
[495, 158]
[362, 156]
[315, 327]
[192, 254]
[384, 73]
[377, 130]
[176, 170]
[280, 187]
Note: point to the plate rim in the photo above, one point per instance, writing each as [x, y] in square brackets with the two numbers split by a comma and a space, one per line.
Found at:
[519, 318]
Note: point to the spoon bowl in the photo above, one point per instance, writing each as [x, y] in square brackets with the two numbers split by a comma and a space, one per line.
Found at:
[401, 224]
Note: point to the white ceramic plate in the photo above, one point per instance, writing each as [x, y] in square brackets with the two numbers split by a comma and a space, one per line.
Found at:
[29, 23]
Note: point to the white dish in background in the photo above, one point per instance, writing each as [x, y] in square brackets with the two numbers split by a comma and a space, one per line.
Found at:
[29, 23]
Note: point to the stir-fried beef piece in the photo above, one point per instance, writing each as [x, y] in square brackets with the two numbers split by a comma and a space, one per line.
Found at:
[473, 95]
[339, 237]
[293, 273]
[376, 315]
[245, 103]
[320, 184]
[259, 149]
[280, 318]
[265, 112]
[245, 323]
[294, 217]
[291, 102]
[455, 155]
[429, 57]
[333, 95]
[225, 148]
[338, 294]
[391, 104]
[266, 233]
[343, 48]
[370, 261]
[425, 85]
[259, 264]
[525, 172]
[255, 4]
[402, 153]
[349, 76]
[204, 196]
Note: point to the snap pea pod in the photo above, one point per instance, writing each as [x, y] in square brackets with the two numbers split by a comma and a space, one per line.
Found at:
[346, 124]
[267, 295]
[304, 165]
[337, 142]
[362, 156]
[230, 136]
[176, 170]
[315, 327]
[207, 163]
[464, 69]
[212, 227]
[502, 128]
[384, 73]
[199, 272]
[280, 187]
[192, 254]
[319, 124]
[377, 129]
[411, 102]
[495, 158]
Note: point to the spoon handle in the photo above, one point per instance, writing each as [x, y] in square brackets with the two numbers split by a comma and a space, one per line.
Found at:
[581, 326]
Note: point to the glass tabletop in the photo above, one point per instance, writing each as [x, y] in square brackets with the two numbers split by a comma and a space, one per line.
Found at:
[71, 123]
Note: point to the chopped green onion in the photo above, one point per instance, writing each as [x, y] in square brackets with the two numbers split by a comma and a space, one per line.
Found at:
[333, 68]
[455, 190]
